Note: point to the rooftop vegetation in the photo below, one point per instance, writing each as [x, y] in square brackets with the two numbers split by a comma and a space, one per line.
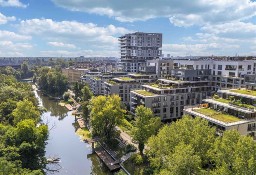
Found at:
[226, 118]
[233, 101]
[125, 78]
[112, 82]
[244, 91]
[161, 86]
[144, 92]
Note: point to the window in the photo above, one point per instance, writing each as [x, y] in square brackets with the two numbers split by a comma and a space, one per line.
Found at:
[219, 67]
[249, 67]
[219, 72]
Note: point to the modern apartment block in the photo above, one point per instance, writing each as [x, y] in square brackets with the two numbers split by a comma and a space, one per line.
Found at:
[137, 48]
[226, 73]
[250, 82]
[96, 80]
[160, 67]
[230, 109]
[167, 97]
[123, 85]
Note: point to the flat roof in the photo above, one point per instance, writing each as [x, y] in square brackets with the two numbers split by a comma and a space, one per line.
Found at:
[236, 108]
[180, 81]
[237, 94]
[144, 93]
[213, 120]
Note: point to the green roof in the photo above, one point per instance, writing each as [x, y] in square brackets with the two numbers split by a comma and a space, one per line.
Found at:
[226, 118]
[144, 93]
[244, 91]
[125, 79]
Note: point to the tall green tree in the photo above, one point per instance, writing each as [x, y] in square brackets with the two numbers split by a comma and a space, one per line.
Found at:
[25, 110]
[182, 161]
[86, 93]
[234, 153]
[145, 125]
[105, 114]
[194, 132]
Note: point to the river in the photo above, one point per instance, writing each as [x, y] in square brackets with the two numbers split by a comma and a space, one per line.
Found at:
[75, 155]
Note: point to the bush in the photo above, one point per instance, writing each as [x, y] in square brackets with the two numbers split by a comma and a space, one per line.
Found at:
[137, 159]
[66, 96]
[70, 101]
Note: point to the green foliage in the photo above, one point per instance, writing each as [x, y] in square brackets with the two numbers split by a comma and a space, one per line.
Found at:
[137, 159]
[189, 131]
[66, 96]
[145, 125]
[25, 110]
[182, 161]
[22, 143]
[51, 81]
[106, 113]
[86, 93]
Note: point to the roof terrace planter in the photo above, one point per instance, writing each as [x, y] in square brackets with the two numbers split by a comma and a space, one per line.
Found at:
[144, 93]
[226, 118]
[244, 91]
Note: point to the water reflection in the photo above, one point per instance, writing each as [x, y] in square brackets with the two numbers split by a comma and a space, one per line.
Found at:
[76, 156]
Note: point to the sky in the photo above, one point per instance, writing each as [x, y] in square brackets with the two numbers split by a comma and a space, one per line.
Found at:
[72, 28]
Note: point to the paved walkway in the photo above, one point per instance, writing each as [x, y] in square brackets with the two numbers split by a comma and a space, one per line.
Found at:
[127, 138]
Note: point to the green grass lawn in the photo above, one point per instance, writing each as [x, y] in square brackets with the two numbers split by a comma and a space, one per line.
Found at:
[217, 115]
[244, 91]
[222, 100]
[145, 93]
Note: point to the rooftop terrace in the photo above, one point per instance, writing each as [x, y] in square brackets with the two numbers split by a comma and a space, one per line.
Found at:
[144, 93]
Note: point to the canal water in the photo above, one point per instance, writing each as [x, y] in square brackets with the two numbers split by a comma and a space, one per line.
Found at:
[75, 155]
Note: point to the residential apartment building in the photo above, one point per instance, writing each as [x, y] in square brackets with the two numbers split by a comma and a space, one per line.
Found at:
[160, 67]
[138, 47]
[73, 74]
[226, 72]
[230, 109]
[123, 85]
[96, 83]
[167, 97]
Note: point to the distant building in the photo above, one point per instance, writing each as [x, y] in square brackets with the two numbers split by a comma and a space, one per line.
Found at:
[137, 48]
[74, 75]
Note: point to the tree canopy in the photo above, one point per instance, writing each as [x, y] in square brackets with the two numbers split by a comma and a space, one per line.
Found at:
[145, 125]
[190, 146]
[105, 114]
[22, 142]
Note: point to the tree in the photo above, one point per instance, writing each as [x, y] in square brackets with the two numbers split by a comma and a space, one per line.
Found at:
[194, 132]
[234, 153]
[106, 113]
[86, 93]
[145, 125]
[25, 110]
[182, 161]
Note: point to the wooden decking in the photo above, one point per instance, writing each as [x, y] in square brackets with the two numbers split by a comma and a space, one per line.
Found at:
[107, 159]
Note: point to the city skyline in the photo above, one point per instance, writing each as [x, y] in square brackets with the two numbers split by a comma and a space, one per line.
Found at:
[92, 28]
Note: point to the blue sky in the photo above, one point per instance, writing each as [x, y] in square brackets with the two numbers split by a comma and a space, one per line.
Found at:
[91, 27]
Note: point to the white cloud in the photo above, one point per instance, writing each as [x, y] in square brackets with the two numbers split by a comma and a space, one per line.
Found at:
[4, 19]
[208, 49]
[7, 35]
[86, 53]
[77, 38]
[61, 44]
[12, 3]
[8, 48]
[180, 12]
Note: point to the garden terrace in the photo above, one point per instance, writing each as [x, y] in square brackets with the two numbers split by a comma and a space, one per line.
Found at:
[124, 79]
[144, 93]
[226, 118]
[241, 93]
[227, 104]
[235, 103]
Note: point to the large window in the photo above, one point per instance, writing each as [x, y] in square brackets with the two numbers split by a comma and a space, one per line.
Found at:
[219, 67]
